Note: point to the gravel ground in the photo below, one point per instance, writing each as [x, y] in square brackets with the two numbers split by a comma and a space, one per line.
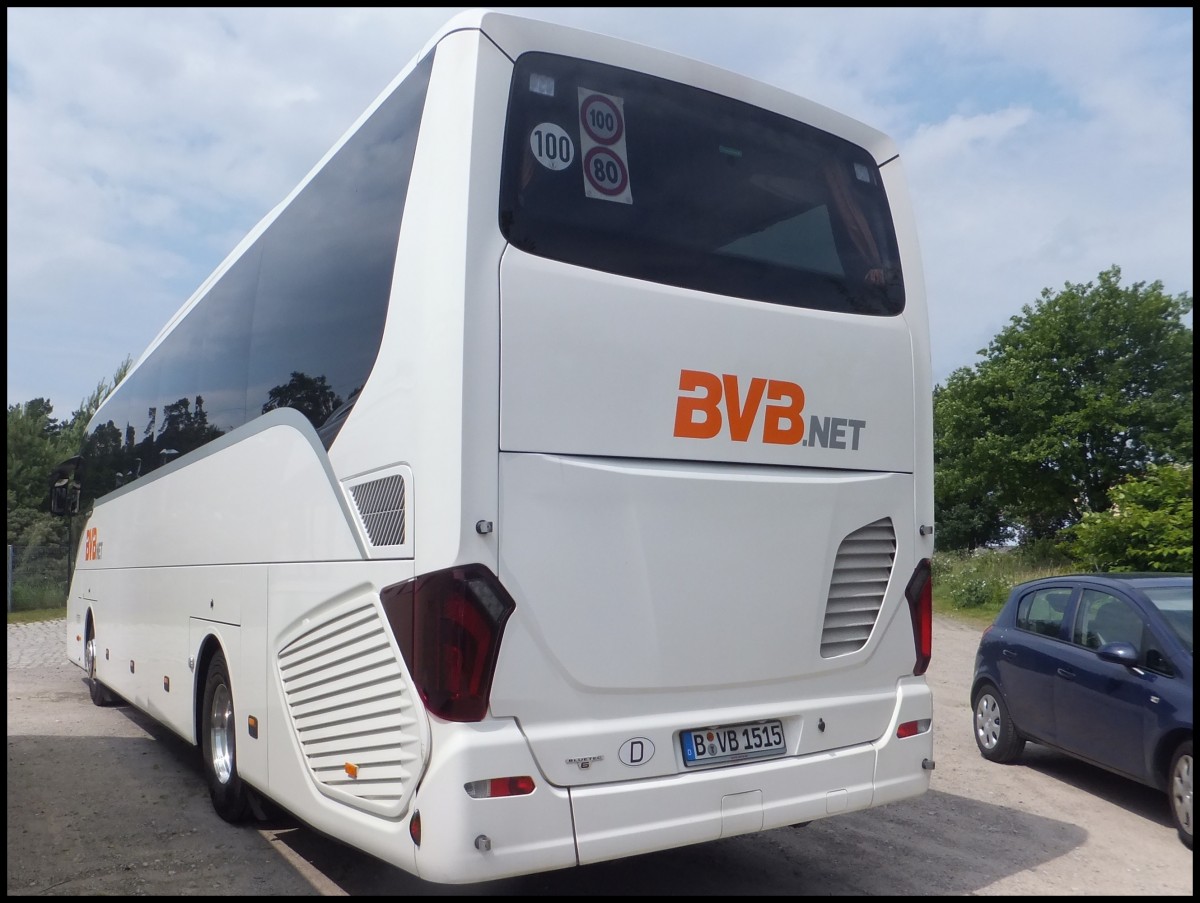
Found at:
[102, 801]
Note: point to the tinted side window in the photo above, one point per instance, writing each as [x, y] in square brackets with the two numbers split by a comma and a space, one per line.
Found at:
[1104, 618]
[327, 266]
[295, 322]
[1154, 658]
[1043, 611]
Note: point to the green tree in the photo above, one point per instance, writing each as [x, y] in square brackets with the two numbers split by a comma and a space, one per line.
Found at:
[1089, 386]
[968, 510]
[32, 446]
[1147, 528]
[75, 430]
[36, 443]
[38, 538]
[312, 396]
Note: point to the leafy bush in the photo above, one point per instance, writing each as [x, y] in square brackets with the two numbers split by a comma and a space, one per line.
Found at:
[1147, 528]
[979, 582]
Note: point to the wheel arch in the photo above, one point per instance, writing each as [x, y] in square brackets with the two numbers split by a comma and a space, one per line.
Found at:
[209, 647]
[982, 680]
[1165, 751]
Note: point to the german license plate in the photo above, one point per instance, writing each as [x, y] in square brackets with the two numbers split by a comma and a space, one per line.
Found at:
[732, 743]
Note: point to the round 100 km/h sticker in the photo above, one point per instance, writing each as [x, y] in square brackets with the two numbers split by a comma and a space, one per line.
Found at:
[551, 146]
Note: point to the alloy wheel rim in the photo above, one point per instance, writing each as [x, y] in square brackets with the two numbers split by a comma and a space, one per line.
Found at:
[221, 734]
[1181, 792]
[987, 722]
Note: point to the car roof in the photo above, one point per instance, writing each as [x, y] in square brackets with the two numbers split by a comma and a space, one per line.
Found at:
[1135, 579]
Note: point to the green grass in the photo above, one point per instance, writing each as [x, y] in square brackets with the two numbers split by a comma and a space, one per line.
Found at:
[37, 601]
[973, 586]
[36, 594]
[36, 614]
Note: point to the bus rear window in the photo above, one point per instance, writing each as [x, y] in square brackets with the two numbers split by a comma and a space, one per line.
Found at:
[643, 177]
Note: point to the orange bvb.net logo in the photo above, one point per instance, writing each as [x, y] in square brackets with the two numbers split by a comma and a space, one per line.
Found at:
[91, 547]
[720, 402]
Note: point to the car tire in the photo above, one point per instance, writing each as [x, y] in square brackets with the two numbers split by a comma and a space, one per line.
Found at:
[995, 734]
[218, 730]
[1179, 791]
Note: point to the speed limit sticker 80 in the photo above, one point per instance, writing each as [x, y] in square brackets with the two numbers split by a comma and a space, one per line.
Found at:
[602, 147]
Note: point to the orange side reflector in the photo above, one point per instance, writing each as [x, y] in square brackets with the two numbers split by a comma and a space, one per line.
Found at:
[352, 769]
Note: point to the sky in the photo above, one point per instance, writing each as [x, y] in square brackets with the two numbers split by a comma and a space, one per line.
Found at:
[1042, 147]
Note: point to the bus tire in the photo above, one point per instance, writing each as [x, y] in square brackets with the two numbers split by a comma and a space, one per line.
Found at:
[218, 729]
[99, 693]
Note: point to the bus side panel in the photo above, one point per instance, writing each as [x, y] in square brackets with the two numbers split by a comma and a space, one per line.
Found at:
[151, 623]
[267, 494]
[149, 564]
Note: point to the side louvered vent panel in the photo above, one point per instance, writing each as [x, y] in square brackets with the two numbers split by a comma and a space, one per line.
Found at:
[381, 506]
[860, 577]
[353, 711]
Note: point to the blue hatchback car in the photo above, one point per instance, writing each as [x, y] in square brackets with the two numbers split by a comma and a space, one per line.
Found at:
[1098, 666]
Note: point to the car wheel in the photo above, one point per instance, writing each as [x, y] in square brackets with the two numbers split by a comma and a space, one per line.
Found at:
[1179, 787]
[995, 734]
[230, 797]
[100, 694]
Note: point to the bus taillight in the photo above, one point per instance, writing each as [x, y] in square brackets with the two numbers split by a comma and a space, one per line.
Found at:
[448, 626]
[919, 594]
[496, 787]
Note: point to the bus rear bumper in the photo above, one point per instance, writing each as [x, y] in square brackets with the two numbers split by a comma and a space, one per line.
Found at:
[467, 839]
[615, 820]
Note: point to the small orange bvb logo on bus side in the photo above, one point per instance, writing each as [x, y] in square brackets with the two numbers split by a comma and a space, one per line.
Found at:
[92, 547]
[699, 416]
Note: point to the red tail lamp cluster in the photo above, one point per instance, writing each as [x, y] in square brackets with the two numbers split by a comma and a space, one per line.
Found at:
[448, 625]
[919, 594]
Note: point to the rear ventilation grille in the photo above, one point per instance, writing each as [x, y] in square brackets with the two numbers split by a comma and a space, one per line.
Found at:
[860, 577]
[380, 504]
[353, 711]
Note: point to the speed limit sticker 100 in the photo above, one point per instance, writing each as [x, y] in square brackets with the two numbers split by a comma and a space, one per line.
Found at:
[602, 147]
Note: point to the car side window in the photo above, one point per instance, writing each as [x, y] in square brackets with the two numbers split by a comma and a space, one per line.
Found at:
[1154, 659]
[1104, 618]
[1043, 610]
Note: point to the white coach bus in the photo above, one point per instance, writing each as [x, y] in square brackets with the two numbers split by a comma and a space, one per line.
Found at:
[546, 480]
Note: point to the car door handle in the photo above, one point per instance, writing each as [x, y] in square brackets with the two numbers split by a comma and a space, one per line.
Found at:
[1067, 673]
[1009, 653]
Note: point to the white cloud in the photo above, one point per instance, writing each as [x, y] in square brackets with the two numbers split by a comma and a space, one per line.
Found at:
[1042, 146]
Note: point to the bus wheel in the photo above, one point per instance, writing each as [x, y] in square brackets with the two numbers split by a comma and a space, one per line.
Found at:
[230, 797]
[100, 694]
